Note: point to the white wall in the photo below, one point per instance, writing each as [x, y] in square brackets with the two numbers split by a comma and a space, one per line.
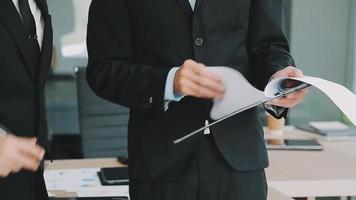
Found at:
[69, 18]
[353, 44]
[320, 31]
[351, 73]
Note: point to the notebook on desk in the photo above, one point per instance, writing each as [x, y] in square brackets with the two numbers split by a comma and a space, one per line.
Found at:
[330, 130]
[114, 176]
[296, 144]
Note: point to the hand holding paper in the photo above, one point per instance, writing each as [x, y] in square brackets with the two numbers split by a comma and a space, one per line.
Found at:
[240, 95]
[294, 98]
[195, 79]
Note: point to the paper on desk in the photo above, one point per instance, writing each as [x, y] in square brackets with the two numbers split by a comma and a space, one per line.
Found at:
[116, 191]
[72, 179]
[329, 125]
[84, 182]
[50, 194]
[240, 93]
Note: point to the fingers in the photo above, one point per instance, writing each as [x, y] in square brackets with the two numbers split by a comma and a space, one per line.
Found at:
[203, 71]
[289, 72]
[286, 103]
[32, 150]
[194, 79]
[293, 72]
[295, 98]
[4, 169]
[20, 153]
[297, 95]
[206, 79]
[290, 100]
[201, 92]
[29, 147]
[30, 155]
[26, 162]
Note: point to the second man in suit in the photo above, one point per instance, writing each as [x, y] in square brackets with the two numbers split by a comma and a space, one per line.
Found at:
[25, 57]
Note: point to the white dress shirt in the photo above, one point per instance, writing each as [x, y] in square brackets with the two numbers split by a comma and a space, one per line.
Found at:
[36, 12]
[192, 3]
[169, 94]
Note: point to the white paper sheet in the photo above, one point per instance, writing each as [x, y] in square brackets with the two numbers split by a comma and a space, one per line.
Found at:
[239, 93]
[50, 194]
[329, 125]
[84, 182]
[72, 180]
[116, 191]
[343, 98]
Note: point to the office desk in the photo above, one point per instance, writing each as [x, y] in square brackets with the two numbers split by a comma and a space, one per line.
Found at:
[79, 164]
[111, 162]
[327, 173]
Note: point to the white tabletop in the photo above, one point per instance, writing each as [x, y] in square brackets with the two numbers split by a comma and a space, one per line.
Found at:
[327, 173]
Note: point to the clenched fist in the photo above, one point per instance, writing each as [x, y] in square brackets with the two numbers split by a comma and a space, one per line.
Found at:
[18, 153]
[194, 79]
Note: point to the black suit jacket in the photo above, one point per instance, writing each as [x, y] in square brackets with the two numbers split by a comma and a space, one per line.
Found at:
[132, 46]
[22, 106]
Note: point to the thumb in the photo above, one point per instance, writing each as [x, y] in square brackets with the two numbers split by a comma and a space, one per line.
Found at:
[294, 72]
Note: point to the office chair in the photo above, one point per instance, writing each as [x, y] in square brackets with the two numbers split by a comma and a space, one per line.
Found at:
[103, 125]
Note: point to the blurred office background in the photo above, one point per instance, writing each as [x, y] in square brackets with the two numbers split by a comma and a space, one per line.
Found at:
[321, 33]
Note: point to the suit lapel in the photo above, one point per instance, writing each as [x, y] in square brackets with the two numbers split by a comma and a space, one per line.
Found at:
[185, 5]
[13, 22]
[197, 5]
[43, 6]
[46, 54]
[47, 43]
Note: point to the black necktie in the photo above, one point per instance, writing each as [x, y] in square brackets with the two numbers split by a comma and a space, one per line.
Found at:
[30, 25]
[27, 17]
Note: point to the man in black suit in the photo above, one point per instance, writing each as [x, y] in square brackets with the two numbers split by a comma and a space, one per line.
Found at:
[147, 55]
[25, 57]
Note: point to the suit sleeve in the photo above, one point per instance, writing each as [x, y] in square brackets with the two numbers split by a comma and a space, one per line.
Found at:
[112, 72]
[268, 45]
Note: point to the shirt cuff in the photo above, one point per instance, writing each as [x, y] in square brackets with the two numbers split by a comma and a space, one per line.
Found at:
[276, 110]
[2, 132]
[169, 94]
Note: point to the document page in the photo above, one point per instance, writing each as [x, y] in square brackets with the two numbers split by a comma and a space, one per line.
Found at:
[84, 182]
[240, 95]
[343, 98]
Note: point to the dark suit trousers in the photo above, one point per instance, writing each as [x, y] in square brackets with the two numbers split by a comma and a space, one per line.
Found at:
[210, 178]
[23, 186]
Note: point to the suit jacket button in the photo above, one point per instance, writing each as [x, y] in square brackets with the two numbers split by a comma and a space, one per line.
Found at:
[199, 41]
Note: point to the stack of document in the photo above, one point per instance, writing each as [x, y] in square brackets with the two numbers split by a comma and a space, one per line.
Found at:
[331, 130]
[84, 182]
